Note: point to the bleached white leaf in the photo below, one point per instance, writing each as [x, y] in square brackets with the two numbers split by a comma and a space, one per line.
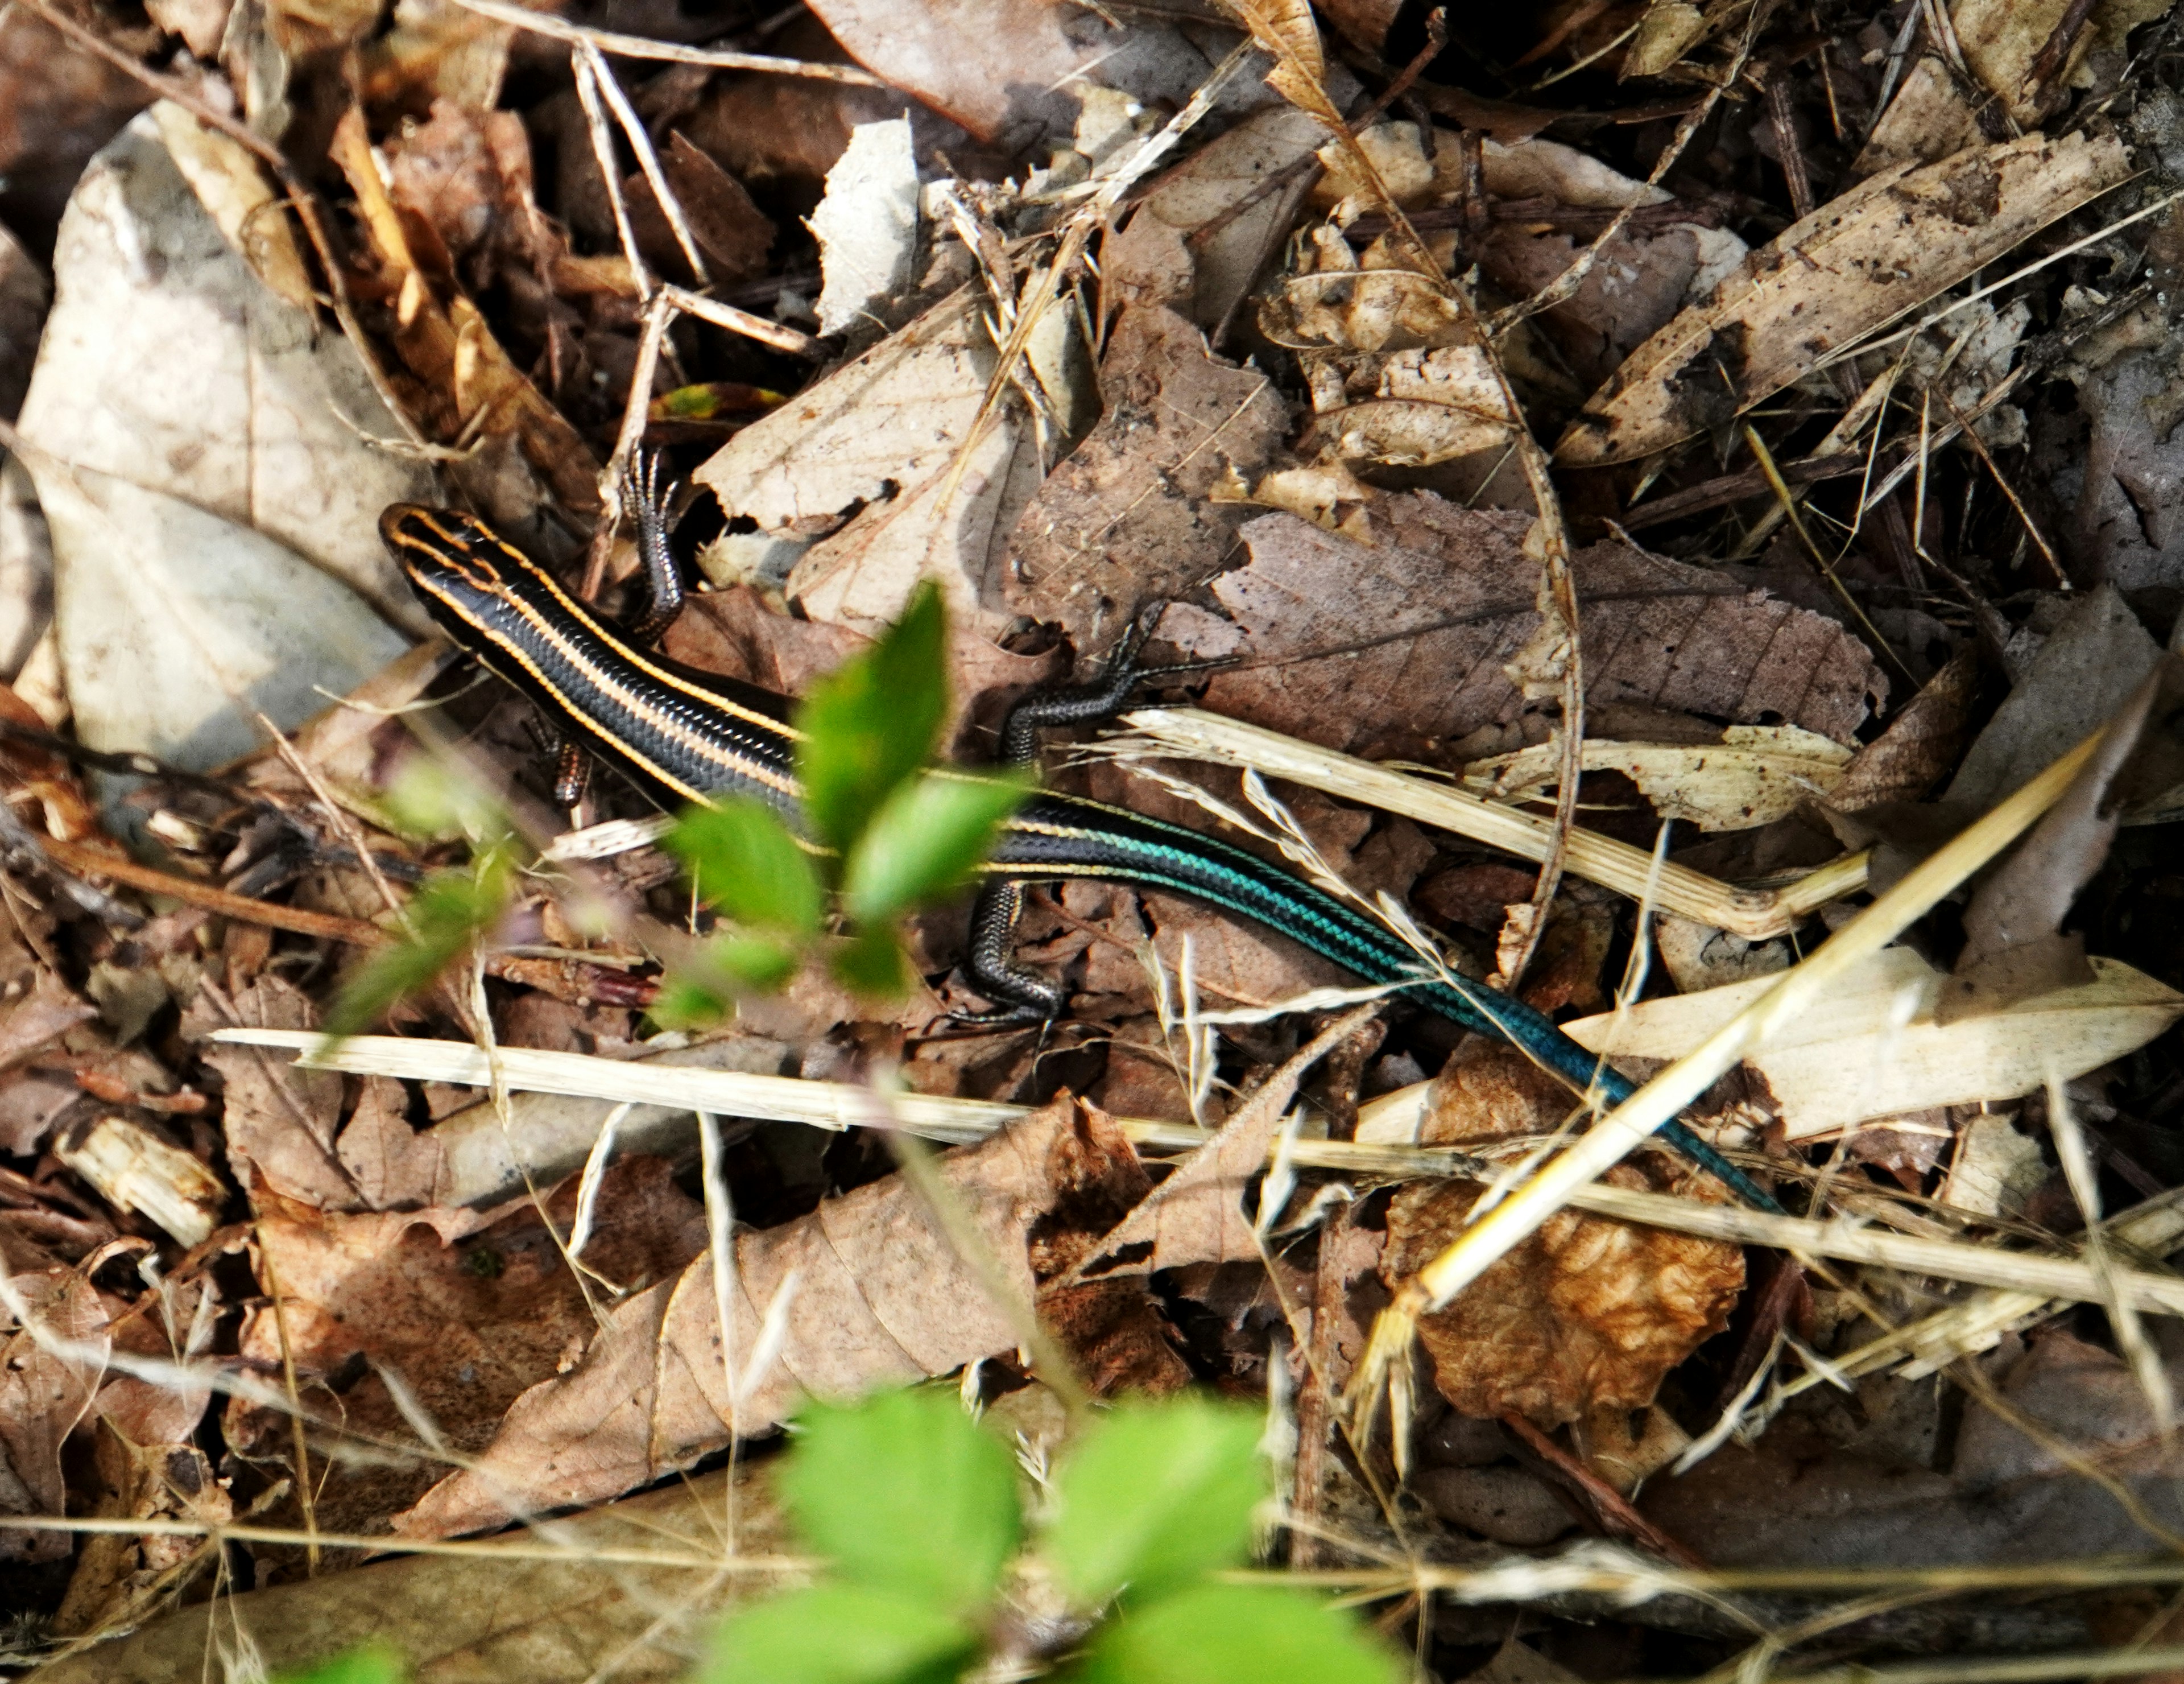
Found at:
[1871, 1047]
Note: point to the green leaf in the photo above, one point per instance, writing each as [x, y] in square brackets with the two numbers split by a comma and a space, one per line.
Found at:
[903, 1491]
[758, 963]
[873, 721]
[686, 1002]
[743, 860]
[448, 911]
[873, 965]
[1236, 1634]
[926, 839]
[838, 1634]
[429, 799]
[373, 1664]
[1154, 1495]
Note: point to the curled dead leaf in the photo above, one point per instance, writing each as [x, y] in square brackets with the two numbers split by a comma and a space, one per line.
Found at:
[1859, 261]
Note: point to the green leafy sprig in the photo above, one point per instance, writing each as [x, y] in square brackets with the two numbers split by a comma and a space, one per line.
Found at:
[916, 1507]
[886, 831]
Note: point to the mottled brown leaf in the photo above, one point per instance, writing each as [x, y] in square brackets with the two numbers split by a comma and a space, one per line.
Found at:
[1127, 518]
[1920, 744]
[1399, 646]
[469, 1308]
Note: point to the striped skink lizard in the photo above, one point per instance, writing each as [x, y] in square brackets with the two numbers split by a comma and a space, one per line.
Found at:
[687, 736]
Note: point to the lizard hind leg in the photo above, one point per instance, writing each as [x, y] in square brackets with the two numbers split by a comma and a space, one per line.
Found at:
[1020, 995]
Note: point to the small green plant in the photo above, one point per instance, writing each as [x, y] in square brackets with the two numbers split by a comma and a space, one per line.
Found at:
[451, 908]
[373, 1663]
[915, 1507]
[886, 831]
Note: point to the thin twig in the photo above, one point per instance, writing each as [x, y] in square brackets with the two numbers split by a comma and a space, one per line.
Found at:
[648, 159]
[667, 52]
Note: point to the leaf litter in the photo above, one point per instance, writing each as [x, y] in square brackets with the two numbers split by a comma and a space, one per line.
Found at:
[1079, 316]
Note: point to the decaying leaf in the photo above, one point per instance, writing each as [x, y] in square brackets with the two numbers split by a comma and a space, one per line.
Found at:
[860, 462]
[1990, 1493]
[466, 1309]
[1398, 646]
[43, 1395]
[867, 226]
[2014, 945]
[1187, 244]
[1921, 743]
[1931, 117]
[445, 341]
[1586, 1315]
[1873, 1049]
[280, 1121]
[2082, 673]
[876, 1296]
[1010, 72]
[203, 465]
[451, 1615]
[1754, 776]
[1196, 1216]
[1129, 517]
[1857, 262]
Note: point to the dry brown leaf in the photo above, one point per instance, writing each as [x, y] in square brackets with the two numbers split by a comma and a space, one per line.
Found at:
[1189, 244]
[58, 106]
[279, 1121]
[1587, 1315]
[879, 1298]
[2014, 945]
[1128, 518]
[1286, 29]
[394, 1166]
[1398, 647]
[147, 1468]
[1112, 1329]
[2084, 670]
[731, 231]
[1883, 247]
[477, 1616]
[1196, 1215]
[1921, 743]
[1008, 72]
[447, 345]
[1669, 29]
[43, 1396]
[1931, 117]
[468, 1309]
[48, 1010]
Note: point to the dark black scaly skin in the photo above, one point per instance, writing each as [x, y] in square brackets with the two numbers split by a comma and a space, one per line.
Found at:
[682, 736]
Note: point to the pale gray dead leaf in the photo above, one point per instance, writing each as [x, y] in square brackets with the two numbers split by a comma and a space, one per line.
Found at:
[876, 439]
[201, 461]
[1873, 1048]
[2088, 665]
[867, 226]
